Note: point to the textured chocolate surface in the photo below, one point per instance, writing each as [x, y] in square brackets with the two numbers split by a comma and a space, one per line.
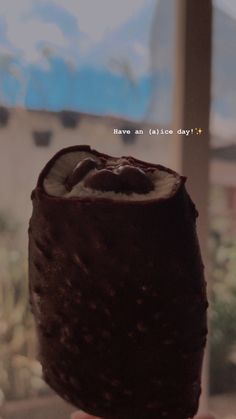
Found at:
[127, 179]
[118, 293]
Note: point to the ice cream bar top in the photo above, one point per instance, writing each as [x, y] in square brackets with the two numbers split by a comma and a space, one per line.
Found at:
[82, 172]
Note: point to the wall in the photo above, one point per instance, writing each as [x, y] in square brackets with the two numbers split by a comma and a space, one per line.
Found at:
[21, 160]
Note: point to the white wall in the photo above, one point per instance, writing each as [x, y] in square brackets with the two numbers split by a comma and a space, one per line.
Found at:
[21, 161]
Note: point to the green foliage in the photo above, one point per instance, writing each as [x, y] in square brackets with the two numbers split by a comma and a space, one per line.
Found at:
[20, 372]
[223, 309]
[8, 225]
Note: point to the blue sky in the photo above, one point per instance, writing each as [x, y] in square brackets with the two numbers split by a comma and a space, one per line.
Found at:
[73, 28]
[95, 57]
[72, 54]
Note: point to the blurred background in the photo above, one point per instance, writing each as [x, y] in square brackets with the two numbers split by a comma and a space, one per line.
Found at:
[72, 71]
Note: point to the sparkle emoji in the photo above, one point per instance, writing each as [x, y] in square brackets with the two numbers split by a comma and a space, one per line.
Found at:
[198, 131]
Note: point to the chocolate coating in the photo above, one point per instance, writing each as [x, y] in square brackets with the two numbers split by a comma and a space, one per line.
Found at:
[104, 180]
[126, 179]
[135, 180]
[118, 293]
[80, 171]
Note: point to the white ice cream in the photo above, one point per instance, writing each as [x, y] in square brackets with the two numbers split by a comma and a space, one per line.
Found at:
[54, 183]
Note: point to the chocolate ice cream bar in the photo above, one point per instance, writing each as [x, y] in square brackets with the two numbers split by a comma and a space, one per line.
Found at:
[117, 286]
